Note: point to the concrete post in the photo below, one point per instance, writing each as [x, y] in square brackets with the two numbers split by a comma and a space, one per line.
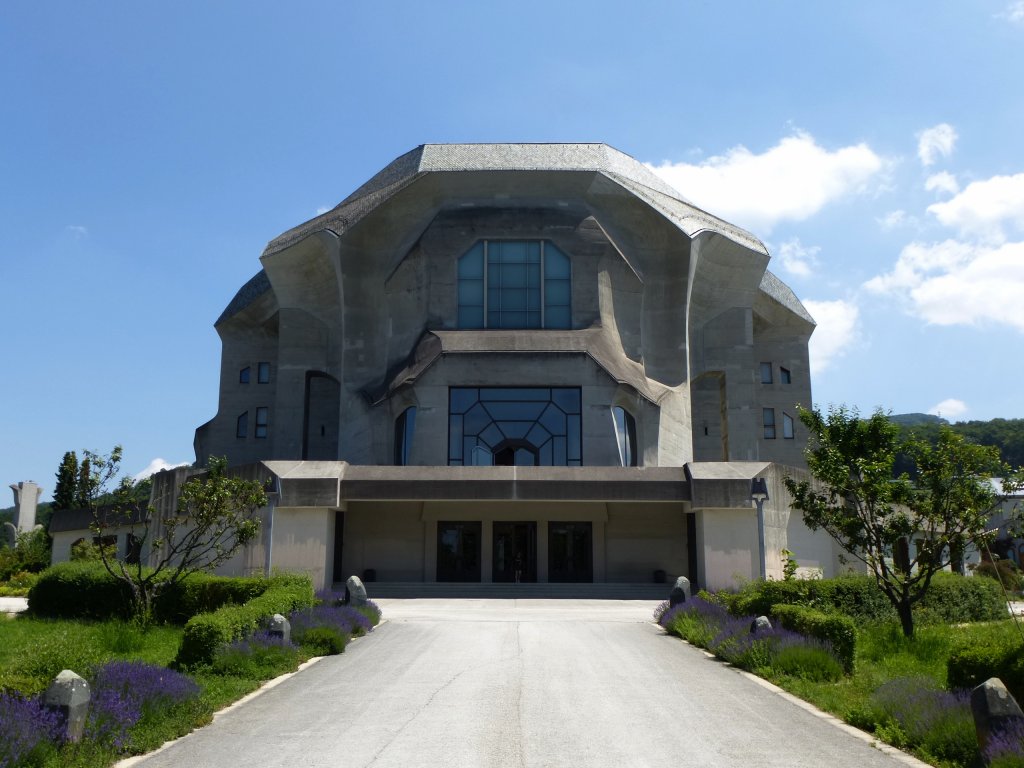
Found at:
[26, 499]
[69, 694]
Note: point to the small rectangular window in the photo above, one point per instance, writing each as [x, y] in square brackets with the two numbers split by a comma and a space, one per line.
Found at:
[787, 426]
[242, 425]
[766, 373]
[261, 422]
[263, 373]
[768, 419]
[243, 375]
[784, 376]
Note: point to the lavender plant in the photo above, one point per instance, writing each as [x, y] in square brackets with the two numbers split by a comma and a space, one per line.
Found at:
[1006, 748]
[930, 719]
[124, 691]
[259, 655]
[28, 731]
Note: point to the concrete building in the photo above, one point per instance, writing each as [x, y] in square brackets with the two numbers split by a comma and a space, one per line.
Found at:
[504, 362]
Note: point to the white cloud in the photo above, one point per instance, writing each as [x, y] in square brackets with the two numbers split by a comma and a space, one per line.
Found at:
[949, 409]
[322, 210]
[959, 283]
[1014, 12]
[78, 232]
[984, 207]
[156, 465]
[895, 219]
[942, 182]
[796, 258]
[936, 141]
[791, 181]
[838, 328]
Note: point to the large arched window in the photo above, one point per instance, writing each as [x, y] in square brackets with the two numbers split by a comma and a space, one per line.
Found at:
[405, 426]
[515, 284]
[625, 435]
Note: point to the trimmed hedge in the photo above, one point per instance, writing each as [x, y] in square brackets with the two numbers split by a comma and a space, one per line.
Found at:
[950, 598]
[84, 590]
[207, 632]
[838, 630]
[970, 665]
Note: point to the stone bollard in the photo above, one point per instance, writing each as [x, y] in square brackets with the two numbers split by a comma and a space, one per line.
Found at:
[69, 695]
[994, 710]
[680, 592]
[760, 624]
[280, 627]
[355, 592]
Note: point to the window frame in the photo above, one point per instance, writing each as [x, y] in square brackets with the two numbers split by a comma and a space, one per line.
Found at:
[262, 427]
[539, 293]
[768, 423]
[263, 372]
[785, 375]
[788, 430]
[405, 429]
[242, 426]
[625, 437]
[766, 373]
[244, 374]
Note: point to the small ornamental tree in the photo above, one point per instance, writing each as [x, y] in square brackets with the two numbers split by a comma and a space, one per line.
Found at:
[856, 498]
[215, 515]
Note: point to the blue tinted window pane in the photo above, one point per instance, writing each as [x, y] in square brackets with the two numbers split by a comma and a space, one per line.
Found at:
[454, 437]
[513, 298]
[475, 420]
[538, 435]
[468, 444]
[521, 411]
[556, 263]
[567, 399]
[556, 293]
[516, 430]
[513, 250]
[513, 394]
[510, 276]
[471, 293]
[524, 458]
[573, 437]
[513, 320]
[559, 457]
[462, 398]
[557, 317]
[533, 251]
[492, 435]
[553, 420]
[472, 263]
[471, 317]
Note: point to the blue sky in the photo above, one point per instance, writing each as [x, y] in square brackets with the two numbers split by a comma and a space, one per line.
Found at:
[149, 151]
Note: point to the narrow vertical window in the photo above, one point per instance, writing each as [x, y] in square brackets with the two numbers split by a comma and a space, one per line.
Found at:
[261, 422]
[787, 426]
[625, 435]
[768, 420]
[243, 375]
[784, 375]
[766, 373]
[405, 426]
[263, 373]
[242, 425]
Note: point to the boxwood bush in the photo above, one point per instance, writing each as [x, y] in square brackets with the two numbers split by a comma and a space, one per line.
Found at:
[950, 598]
[84, 590]
[834, 628]
[971, 664]
[207, 632]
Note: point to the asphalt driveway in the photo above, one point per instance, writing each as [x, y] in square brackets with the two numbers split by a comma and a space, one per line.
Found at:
[520, 683]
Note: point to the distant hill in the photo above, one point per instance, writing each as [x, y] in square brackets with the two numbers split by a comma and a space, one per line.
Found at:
[1006, 434]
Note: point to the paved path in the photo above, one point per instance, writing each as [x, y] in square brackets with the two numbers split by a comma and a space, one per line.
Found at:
[13, 604]
[519, 683]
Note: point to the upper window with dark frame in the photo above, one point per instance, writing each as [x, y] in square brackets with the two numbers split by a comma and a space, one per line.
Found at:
[242, 425]
[243, 375]
[625, 435]
[514, 284]
[787, 426]
[262, 417]
[515, 426]
[766, 373]
[263, 373]
[768, 422]
[405, 427]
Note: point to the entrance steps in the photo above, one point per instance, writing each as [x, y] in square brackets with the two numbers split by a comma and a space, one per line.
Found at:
[480, 591]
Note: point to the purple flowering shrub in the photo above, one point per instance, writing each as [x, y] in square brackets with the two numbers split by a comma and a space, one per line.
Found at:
[709, 625]
[1006, 748]
[123, 692]
[259, 655]
[28, 731]
[916, 713]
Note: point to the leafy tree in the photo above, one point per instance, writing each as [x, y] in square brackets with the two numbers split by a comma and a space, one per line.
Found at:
[857, 498]
[215, 515]
[66, 491]
[88, 481]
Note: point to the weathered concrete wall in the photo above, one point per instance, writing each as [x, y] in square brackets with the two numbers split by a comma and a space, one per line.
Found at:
[726, 548]
[643, 538]
[385, 536]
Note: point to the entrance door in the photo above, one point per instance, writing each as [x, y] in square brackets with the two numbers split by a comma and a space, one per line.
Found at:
[570, 552]
[458, 551]
[515, 549]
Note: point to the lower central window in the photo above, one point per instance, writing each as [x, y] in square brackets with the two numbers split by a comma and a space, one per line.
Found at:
[521, 426]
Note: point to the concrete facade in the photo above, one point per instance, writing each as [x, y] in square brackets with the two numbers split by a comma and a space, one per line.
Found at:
[365, 368]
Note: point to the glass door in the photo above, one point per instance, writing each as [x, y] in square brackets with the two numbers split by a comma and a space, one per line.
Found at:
[570, 552]
[515, 552]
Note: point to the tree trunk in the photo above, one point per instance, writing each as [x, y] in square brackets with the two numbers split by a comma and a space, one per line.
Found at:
[906, 618]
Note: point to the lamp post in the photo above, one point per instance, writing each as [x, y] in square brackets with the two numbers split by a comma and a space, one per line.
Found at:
[759, 495]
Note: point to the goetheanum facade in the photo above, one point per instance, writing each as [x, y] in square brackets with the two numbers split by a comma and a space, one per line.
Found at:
[503, 362]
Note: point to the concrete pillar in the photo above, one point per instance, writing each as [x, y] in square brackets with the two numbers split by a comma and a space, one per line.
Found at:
[26, 498]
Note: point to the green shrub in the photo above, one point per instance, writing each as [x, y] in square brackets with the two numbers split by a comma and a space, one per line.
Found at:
[204, 593]
[834, 628]
[961, 599]
[257, 657]
[323, 641]
[207, 632]
[1005, 571]
[815, 664]
[79, 590]
[122, 637]
[971, 664]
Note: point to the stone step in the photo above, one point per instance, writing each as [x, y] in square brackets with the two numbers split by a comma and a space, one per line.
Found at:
[393, 589]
